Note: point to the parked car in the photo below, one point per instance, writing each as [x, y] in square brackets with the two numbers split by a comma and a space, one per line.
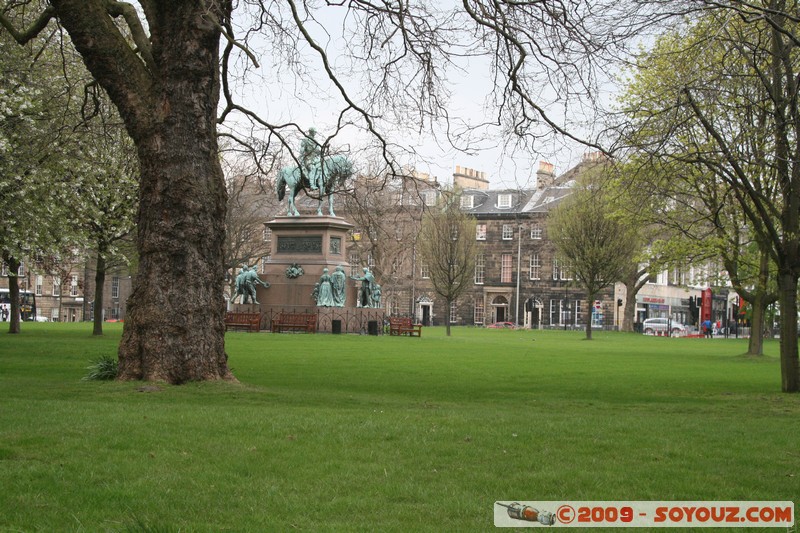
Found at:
[662, 326]
[502, 325]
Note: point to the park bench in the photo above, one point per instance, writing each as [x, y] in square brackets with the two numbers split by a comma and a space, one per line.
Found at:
[249, 321]
[295, 322]
[404, 326]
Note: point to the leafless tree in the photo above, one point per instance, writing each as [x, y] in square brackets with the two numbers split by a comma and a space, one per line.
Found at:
[250, 203]
[447, 245]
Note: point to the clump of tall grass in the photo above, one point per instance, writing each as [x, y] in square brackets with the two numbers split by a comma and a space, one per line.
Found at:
[103, 368]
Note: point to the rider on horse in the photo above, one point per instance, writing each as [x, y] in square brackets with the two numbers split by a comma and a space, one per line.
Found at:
[310, 156]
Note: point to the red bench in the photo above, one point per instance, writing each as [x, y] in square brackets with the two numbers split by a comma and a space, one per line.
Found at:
[249, 321]
[295, 322]
[404, 326]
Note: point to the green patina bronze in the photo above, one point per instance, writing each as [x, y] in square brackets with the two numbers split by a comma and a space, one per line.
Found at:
[339, 283]
[316, 172]
[246, 282]
[325, 290]
[370, 293]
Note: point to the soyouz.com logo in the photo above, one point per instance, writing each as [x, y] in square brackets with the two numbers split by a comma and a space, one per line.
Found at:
[644, 514]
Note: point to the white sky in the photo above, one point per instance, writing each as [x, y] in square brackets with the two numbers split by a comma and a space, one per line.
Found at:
[279, 95]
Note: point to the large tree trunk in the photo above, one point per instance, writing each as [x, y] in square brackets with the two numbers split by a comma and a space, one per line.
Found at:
[99, 290]
[174, 328]
[630, 306]
[790, 369]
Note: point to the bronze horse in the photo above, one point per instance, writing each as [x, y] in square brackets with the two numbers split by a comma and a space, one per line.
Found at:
[325, 177]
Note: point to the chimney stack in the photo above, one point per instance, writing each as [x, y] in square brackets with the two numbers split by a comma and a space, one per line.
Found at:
[545, 175]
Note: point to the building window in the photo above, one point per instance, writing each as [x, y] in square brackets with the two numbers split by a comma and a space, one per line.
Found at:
[508, 232]
[354, 260]
[267, 234]
[115, 312]
[467, 201]
[21, 270]
[555, 311]
[429, 197]
[678, 276]
[453, 312]
[536, 232]
[115, 287]
[424, 271]
[4, 271]
[73, 285]
[561, 270]
[505, 268]
[394, 306]
[478, 312]
[566, 272]
[504, 201]
[39, 285]
[480, 269]
[535, 267]
[480, 232]
[56, 286]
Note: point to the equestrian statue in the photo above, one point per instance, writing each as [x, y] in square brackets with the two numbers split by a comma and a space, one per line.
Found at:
[315, 173]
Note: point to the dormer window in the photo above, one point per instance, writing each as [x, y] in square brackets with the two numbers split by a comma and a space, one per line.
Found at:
[467, 202]
[504, 201]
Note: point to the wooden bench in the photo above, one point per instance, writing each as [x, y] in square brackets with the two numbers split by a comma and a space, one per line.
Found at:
[295, 322]
[404, 326]
[249, 321]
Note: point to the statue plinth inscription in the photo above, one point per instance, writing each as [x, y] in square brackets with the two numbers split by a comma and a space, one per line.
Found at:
[308, 244]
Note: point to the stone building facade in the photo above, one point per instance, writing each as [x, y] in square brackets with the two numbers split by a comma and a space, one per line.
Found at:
[69, 297]
[517, 278]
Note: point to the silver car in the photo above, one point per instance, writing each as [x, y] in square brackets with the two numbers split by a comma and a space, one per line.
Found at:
[663, 326]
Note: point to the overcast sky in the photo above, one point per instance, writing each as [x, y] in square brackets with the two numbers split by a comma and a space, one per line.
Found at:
[277, 93]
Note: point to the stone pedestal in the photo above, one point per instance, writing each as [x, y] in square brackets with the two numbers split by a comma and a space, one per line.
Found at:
[314, 243]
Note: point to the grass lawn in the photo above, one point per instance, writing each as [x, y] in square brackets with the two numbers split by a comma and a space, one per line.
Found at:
[343, 433]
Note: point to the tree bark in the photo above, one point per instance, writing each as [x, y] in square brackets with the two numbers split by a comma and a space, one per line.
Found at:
[790, 365]
[755, 345]
[174, 328]
[13, 293]
[99, 290]
[447, 316]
